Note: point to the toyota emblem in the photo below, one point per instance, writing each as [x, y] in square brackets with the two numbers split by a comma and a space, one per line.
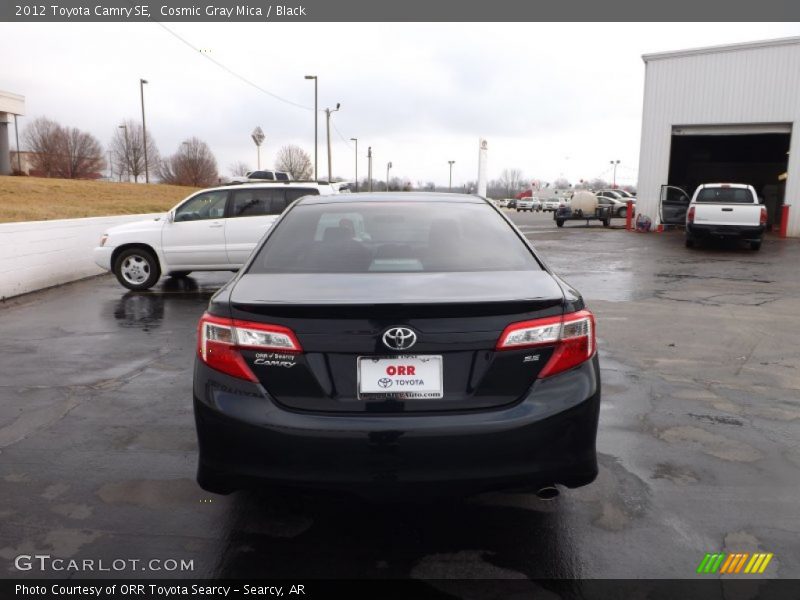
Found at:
[399, 338]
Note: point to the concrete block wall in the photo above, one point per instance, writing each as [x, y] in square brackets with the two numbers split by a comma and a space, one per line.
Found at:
[39, 254]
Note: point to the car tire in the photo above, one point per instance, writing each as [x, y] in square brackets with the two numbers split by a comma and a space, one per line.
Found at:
[689, 243]
[559, 222]
[137, 268]
[214, 483]
[179, 274]
[755, 246]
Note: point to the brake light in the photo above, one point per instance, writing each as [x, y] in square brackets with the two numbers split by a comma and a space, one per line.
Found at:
[573, 336]
[219, 341]
[763, 219]
[690, 215]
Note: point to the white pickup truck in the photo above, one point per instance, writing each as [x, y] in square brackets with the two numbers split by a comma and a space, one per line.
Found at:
[213, 230]
[726, 210]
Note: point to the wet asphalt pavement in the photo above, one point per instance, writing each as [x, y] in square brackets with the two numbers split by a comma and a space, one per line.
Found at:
[699, 434]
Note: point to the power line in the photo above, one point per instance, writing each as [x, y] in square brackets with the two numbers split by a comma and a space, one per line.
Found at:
[231, 71]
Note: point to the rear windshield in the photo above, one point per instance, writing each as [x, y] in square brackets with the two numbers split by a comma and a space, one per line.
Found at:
[385, 237]
[725, 195]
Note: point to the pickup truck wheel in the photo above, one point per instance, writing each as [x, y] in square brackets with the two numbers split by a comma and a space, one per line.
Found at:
[756, 246]
[137, 269]
[179, 274]
[559, 222]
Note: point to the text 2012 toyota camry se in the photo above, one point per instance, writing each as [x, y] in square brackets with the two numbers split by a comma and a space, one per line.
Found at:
[396, 342]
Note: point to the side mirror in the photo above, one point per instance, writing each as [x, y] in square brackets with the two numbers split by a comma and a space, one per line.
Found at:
[170, 217]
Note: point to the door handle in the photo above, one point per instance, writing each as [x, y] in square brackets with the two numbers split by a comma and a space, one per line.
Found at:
[215, 225]
[727, 210]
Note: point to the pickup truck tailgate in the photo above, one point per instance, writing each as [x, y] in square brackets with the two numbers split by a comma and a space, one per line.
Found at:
[727, 214]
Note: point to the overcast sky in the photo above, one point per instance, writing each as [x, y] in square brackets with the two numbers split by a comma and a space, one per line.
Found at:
[552, 99]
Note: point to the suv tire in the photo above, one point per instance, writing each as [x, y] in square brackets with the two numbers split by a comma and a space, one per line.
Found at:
[137, 268]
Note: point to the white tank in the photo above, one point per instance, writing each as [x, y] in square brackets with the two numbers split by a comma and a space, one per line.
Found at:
[585, 202]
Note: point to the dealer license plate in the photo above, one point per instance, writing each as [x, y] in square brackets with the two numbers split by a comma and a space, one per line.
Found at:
[400, 377]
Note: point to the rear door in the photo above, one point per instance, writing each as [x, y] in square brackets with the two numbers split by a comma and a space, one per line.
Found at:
[673, 204]
[252, 211]
[195, 236]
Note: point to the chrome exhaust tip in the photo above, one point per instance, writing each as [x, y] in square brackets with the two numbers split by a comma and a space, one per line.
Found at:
[548, 492]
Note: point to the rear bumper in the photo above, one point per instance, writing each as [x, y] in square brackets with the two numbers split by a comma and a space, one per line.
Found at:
[750, 233]
[548, 438]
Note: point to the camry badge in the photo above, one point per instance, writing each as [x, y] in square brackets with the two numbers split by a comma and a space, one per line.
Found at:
[399, 338]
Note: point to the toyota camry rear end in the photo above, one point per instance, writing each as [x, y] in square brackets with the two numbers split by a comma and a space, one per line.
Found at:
[396, 342]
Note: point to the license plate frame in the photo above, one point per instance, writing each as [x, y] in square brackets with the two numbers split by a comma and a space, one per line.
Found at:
[433, 363]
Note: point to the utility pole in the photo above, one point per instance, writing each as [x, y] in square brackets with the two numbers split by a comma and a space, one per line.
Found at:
[388, 166]
[356, 141]
[316, 114]
[328, 112]
[144, 132]
[369, 166]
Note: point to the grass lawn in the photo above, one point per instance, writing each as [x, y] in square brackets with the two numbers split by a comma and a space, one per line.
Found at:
[42, 199]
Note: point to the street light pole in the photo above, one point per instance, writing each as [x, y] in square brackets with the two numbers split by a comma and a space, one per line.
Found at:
[356, 141]
[388, 166]
[144, 132]
[316, 113]
[328, 112]
[614, 181]
[450, 186]
[369, 167]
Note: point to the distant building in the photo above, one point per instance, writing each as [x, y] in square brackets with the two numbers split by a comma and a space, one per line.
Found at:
[725, 114]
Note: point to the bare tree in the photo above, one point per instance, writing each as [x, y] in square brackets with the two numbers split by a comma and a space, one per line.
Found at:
[238, 169]
[562, 184]
[193, 164]
[127, 148]
[598, 183]
[79, 153]
[511, 179]
[64, 152]
[295, 161]
[42, 138]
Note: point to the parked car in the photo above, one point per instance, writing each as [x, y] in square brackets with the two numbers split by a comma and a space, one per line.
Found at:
[262, 175]
[212, 230]
[617, 207]
[441, 354]
[502, 203]
[551, 204]
[512, 203]
[726, 210]
[524, 204]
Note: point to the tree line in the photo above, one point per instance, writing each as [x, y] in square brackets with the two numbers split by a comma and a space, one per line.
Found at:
[70, 153]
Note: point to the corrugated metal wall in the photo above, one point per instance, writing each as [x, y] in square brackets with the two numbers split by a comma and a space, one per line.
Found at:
[746, 84]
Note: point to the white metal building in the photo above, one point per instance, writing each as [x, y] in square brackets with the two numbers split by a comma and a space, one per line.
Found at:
[723, 114]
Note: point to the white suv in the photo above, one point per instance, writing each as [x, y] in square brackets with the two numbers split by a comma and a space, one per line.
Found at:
[212, 230]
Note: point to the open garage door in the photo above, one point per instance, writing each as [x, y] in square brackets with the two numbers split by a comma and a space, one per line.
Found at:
[754, 154]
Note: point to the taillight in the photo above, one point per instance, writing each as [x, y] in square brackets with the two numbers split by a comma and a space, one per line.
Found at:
[763, 219]
[573, 336]
[690, 215]
[219, 341]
